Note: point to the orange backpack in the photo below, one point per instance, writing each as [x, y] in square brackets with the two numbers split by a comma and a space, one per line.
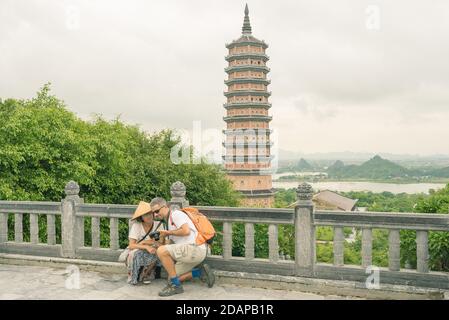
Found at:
[206, 231]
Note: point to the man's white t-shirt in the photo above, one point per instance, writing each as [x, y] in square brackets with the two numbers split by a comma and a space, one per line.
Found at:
[176, 219]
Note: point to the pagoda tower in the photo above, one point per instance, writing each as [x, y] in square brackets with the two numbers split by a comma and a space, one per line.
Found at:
[247, 134]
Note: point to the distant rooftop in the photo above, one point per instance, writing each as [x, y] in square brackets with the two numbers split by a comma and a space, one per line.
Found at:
[335, 199]
[330, 200]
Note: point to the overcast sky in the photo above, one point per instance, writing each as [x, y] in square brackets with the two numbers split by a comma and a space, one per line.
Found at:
[363, 76]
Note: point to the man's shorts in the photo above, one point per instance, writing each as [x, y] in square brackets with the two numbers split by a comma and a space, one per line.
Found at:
[187, 256]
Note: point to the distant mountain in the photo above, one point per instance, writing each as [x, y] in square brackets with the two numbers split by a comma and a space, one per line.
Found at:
[337, 169]
[375, 168]
[349, 155]
[303, 165]
[443, 172]
[337, 165]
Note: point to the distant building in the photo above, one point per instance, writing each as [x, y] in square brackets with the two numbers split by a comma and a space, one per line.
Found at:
[329, 200]
[247, 143]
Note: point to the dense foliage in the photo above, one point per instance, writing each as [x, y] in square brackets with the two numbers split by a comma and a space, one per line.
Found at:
[44, 145]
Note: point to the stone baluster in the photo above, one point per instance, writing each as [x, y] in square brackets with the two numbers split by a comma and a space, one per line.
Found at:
[304, 232]
[394, 250]
[249, 241]
[18, 227]
[273, 242]
[51, 229]
[367, 244]
[34, 228]
[339, 240]
[3, 227]
[227, 240]
[95, 230]
[72, 227]
[113, 234]
[422, 251]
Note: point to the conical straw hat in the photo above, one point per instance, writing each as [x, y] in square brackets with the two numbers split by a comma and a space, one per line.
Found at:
[142, 208]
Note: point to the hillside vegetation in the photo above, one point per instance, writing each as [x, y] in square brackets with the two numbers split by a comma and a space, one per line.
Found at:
[375, 168]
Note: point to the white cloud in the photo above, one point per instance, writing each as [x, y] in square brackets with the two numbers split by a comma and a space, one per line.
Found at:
[336, 84]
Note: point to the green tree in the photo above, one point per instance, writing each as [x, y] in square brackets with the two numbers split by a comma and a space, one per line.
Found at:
[437, 202]
[44, 146]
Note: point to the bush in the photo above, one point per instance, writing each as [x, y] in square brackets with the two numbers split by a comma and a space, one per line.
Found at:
[437, 202]
[44, 146]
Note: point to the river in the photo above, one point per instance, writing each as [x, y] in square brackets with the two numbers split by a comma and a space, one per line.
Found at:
[377, 187]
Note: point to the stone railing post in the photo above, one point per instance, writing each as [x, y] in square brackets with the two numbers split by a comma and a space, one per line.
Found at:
[72, 227]
[3, 227]
[304, 232]
[178, 196]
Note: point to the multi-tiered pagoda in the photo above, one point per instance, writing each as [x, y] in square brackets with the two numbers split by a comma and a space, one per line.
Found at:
[247, 143]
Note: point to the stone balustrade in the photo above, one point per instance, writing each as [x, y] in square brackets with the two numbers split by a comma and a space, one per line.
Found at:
[65, 236]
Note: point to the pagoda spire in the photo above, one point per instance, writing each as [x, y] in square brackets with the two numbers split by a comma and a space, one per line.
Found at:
[246, 29]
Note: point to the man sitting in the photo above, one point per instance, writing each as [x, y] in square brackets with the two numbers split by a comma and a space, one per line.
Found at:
[182, 257]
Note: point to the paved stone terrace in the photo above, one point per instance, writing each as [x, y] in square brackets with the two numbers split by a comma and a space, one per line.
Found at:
[32, 282]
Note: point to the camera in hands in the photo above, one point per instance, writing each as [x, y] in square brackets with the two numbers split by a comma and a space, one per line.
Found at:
[155, 235]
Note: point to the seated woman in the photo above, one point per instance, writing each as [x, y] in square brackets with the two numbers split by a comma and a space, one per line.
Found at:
[142, 259]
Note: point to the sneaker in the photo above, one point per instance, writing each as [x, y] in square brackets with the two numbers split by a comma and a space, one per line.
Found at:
[207, 275]
[171, 290]
[148, 278]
